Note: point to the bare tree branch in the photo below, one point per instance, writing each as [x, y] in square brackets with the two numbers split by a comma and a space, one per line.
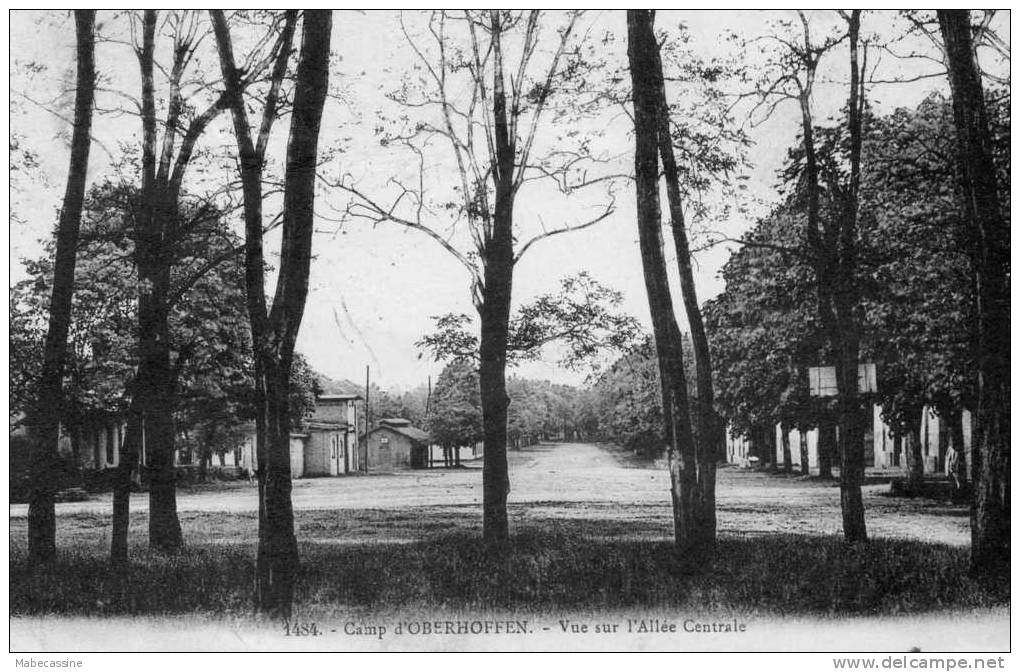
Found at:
[63, 118]
[782, 249]
[367, 208]
[609, 210]
[543, 96]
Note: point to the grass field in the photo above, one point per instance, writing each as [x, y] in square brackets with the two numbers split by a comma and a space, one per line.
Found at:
[591, 532]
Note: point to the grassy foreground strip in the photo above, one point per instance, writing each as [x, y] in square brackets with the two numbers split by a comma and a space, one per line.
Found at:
[550, 565]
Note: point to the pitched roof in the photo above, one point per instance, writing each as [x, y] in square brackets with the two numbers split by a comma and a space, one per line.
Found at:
[332, 387]
[413, 433]
[324, 424]
[395, 422]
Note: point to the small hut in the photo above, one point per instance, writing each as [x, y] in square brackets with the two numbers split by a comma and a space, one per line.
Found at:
[394, 445]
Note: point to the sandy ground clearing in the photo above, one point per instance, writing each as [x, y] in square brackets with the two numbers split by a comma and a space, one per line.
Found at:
[587, 481]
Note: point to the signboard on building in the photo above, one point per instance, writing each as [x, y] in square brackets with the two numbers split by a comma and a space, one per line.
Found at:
[822, 380]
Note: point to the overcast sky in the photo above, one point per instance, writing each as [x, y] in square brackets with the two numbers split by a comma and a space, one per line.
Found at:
[375, 288]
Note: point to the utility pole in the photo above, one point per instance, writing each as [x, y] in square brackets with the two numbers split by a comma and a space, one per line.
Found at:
[367, 420]
[428, 412]
[428, 399]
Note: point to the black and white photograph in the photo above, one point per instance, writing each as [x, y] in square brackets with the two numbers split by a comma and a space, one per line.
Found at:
[510, 330]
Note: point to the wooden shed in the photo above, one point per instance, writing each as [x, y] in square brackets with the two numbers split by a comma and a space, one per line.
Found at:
[394, 445]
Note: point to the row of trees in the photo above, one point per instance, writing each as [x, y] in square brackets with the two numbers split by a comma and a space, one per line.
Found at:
[833, 274]
[484, 86]
[538, 410]
[157, 234]
[918, 308]
[889, 247]
[207, 334]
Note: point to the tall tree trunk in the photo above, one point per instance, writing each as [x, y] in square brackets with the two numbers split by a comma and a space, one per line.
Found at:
[834, 261]
[706, 428]
[289, 303]
[826, 447]
[756, 447]
[154, 380]
[768, 435]
[277, 561]
[805, 455]
[787, 454]
[913, 454]
[495, 320]
[122, 484]
[44, 426]
[989, 236]
[158, 403]
[641, 51]
[158, 233]
[844, 328]
[495, 311]
[495, 477]
[274, 332]
[204, 457]
[263, 577]
[851, 433]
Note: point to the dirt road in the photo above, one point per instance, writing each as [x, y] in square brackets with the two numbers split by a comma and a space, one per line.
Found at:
[584, 481]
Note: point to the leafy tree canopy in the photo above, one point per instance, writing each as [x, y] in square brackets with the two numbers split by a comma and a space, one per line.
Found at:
[917, 300]
[456, 412]
[584, 316]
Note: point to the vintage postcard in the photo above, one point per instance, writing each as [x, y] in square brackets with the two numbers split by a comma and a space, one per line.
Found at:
[510, 330]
